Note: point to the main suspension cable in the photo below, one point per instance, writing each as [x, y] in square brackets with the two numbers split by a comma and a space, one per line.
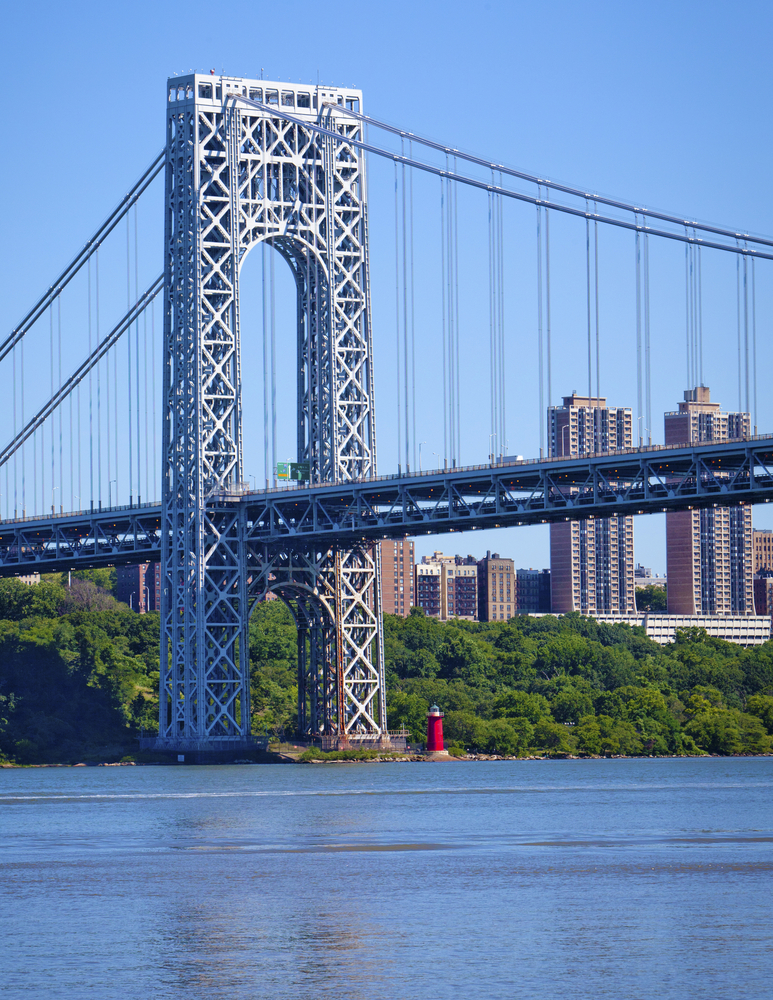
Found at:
[531, 178]
[74, 381]
[530, 199]
[84, 254]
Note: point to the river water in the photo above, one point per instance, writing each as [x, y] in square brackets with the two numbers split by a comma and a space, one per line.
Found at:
[513, 879]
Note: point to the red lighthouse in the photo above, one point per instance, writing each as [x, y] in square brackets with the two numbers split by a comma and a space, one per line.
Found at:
[434, 730]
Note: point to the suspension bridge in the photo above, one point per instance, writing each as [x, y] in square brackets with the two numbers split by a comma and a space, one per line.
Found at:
[125, 397]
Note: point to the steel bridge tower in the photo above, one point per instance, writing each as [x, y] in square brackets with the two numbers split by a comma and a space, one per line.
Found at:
[251, 161]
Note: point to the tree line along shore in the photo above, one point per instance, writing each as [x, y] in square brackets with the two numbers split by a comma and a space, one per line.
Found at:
[79, 681]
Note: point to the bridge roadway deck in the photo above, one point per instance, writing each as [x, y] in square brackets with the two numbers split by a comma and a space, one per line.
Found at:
[643, 481]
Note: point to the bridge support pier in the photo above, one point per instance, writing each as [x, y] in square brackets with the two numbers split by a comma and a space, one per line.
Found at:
[239, 173]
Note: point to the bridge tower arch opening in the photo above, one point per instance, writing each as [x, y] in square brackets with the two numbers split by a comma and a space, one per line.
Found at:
[242, 168]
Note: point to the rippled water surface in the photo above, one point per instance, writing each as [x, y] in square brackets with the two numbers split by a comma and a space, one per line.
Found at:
[616, 878]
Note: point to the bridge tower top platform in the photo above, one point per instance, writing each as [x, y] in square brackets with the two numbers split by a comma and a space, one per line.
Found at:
[297, 99]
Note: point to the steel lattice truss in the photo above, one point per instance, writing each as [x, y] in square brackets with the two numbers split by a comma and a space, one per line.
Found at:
[285, 536]
[238, 175]
[632, 482]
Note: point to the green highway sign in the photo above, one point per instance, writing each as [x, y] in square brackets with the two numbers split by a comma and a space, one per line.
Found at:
[299, 471]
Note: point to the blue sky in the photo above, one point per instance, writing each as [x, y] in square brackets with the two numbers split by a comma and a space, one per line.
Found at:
[665, 104]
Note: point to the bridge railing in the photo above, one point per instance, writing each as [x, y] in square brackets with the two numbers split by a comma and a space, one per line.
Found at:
[85, 512]
[415, 474]
[242, 489]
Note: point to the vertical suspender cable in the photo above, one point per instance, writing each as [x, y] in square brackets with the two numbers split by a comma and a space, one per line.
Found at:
[590, 332]
[450, 314]
[91, 399]
[154, 358]
[15, 475]
[754, 343]
[99, 387]
[596, 276]
[450, 310]
[265, 364]
[129, 359]
[548, 343]
[413, 311]
[647, 369]
[137, 351]
[273, 360]
[738, 319]
[639, 394]
[492, 346]
[687, 310]
[502, 377]
[115, 420]
[497, 242]
[747, 395]
[23, 447]
[145, 394]
[443, 312]
[72, 438]
[397, 325]
[539, 331]
[694, 268]
[59, 355]
[406, 379]
[457, 388]
[51, 383]
[305, 449]
[700, 315]
[79, 439]
[108, 437]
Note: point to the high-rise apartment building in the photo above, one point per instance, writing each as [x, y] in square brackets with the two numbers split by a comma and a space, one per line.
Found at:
[447, 586]
[428, 585]
[708, 552]
[591, 562]
[397, 583]
[762, 546]
[763, 592]
[461, 588]
[762, 564]
[139, 586]
[532, 590]
[497, 596]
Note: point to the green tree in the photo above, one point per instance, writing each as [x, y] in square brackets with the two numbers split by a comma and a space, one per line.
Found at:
[571, 704]
[521, 703]
[465, 728]
[462, 657]
[588, 734]
[651, 598]
[552, 736]
[761, 705]
[408, 710]
[508, 737]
